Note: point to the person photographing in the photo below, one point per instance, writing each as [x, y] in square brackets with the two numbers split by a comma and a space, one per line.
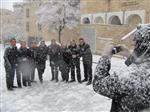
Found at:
[129, 87]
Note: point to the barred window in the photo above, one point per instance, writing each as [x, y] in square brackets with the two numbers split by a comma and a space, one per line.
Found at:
[27, 26]
[27, 13]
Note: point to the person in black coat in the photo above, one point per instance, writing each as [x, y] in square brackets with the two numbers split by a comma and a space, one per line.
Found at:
[86, 54]
[25, 66]
[75, 61]
[41, 59]
[11, 64]
[54, 52]
[64, 66]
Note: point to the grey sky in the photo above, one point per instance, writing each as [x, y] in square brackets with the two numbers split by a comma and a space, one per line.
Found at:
[8, 4]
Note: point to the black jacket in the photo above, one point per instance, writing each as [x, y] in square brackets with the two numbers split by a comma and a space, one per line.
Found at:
[66, 55]
[34, 53]
[85, 52]
[74, 51]
[24, 53]
[10, 56]
[42, 52]
[54, 52]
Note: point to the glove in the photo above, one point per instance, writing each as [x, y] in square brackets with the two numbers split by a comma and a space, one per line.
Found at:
[52, 63]
[74, 56]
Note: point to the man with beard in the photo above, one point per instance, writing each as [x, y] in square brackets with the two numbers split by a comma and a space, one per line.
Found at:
[86, 54]
[54, 53]
[41, 59]
[75, 61]
[25, 57]
[11, 64]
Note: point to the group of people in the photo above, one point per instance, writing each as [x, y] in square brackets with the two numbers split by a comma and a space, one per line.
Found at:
[23, 61]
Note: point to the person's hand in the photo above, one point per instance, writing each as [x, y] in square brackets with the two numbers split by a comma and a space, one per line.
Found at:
[74, 56]
[108, 51]
[9, 66]
[124, 51]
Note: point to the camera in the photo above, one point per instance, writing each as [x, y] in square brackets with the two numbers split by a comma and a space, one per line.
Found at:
[116, 49]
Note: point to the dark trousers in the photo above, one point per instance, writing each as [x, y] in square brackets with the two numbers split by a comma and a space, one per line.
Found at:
[41, 69]
[54, 70]
[33, 67]
[75, 64]
[87, 71]
[10, 74]
[26, 80]
[40, 74]
[64, 72]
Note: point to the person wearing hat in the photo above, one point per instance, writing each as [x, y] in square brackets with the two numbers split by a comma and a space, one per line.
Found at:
[129, 88]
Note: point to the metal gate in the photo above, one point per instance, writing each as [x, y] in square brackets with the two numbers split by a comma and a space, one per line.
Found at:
[89, 36]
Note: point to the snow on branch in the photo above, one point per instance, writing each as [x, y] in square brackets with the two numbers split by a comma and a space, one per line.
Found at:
[11, 31]
[57, 14]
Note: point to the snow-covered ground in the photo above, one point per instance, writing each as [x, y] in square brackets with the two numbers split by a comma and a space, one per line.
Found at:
[54, 97]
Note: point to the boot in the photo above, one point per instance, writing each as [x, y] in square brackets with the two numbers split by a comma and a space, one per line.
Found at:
[84, 80]
[89, 83]
[72, 80]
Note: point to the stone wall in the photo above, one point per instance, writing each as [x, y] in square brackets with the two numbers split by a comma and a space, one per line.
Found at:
[106, 34]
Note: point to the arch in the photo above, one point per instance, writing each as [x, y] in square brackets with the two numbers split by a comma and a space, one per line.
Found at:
[99, 20]
[134, 19]
[114, 20]
[86, 20]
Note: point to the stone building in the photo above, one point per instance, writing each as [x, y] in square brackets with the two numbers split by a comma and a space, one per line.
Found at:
[36, 32]
[6, 17]
[107, 21]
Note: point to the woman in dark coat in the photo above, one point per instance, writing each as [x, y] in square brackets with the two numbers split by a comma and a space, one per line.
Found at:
[128, 88]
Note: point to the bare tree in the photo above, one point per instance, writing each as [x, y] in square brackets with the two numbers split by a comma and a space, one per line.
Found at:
[58, 14]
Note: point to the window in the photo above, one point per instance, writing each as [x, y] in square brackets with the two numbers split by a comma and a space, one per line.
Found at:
[114, 20]
[27, 26]
[86, 20]
[39, 27]
[27, 13]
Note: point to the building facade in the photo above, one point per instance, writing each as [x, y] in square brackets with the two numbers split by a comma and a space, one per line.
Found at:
[6, 18]
[109, 20]
[36, 32]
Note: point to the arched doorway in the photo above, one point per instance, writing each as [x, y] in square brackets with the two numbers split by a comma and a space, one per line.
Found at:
[99, 20]
[86, 20]
[114, 20]
[134, 20]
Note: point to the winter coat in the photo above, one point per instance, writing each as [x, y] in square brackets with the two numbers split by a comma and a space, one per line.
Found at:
[65, 61]
[66, 55]
[42, 52]
[54, 52]
[10, 57]
[24, 59]
[34, 52]
[75, 51]
[86, 53]
[131, 84]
